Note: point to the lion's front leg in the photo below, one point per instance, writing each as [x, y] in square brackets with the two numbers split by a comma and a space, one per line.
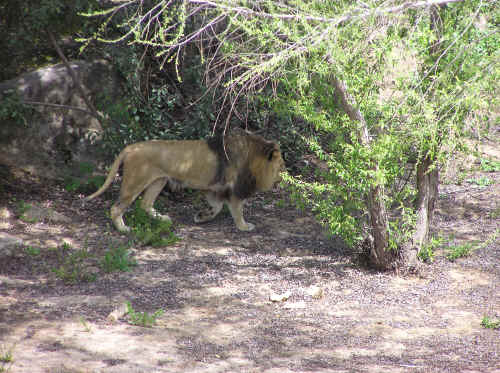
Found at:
[236, 208]
[215, 207]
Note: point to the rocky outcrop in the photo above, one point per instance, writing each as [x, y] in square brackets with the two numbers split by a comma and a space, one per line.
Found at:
[55, 138]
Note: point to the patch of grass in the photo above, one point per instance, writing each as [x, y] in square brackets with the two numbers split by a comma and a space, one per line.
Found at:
[142, 318]
[150, 231]
[489, 323]
[426, 253]
[495, 213]
[281, 203]
[73, 267]
[85, 324]
[6, 356]
[117, 259]
[32, 251]
[22, 209]
[467, 248]
[86, 183]
[461, 177]
[6, 359]
[460, 251]
[481, 181]
[489, 165]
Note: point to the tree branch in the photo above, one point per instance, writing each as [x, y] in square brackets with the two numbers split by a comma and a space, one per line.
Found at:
[355, 14]
[37, 103]
[76, 81]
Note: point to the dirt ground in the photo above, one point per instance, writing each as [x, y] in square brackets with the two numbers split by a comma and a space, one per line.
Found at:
[214, 286]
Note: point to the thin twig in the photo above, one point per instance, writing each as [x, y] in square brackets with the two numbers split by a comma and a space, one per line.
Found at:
[37, 103]
[76, 81]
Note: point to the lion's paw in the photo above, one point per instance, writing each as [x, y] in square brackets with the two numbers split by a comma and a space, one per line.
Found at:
[120, 226]
[203, 216]
[247, 227]
[155, 214]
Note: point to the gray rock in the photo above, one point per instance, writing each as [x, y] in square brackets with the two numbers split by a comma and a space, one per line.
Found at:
[9, 244]
[55, 137]
[36, 214]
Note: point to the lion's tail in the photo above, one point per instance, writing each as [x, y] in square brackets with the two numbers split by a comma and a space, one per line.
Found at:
[111, 175]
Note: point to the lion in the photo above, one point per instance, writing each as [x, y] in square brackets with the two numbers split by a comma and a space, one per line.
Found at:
[227, 169]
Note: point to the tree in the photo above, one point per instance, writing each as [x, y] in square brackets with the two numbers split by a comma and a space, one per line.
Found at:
[386, 90]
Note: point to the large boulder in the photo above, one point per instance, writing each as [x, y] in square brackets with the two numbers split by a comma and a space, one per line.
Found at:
[54, 139]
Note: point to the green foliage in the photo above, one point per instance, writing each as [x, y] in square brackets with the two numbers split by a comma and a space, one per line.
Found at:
[401, 228]
[117, 259]
[489, 165]
[12, 110]
[72, 267]
[488, 323]
[420, 87]
[86, 182]
[6, 358]
[161, 114]
[32, 251]
[143, 319]
[150, 231]
[495, 212]
[454, 252]
[24, 28]
[481, 181]
[426, 253]
[459, 251]
[23, 207]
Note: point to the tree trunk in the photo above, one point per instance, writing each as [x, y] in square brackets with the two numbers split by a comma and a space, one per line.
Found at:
[380, 256]
[427, 194]
[427, 172]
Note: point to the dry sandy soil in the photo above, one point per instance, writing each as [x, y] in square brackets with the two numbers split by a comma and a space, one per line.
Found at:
[214, 286]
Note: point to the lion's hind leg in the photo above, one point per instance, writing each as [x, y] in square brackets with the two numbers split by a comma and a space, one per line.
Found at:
[149, 198]
[130, 189]
[117, 211]
[216, 205]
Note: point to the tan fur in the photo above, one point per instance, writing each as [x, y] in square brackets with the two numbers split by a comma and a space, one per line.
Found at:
[253, 164]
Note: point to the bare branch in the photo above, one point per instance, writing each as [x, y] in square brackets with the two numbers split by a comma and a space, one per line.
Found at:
[355, 14]
[37, 103]
[76, 81]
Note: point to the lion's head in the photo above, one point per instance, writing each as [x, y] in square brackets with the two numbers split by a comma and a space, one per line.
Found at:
[249, 162]
[266, 162]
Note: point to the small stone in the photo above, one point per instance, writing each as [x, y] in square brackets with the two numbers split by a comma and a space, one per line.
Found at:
[118, 313]
[315, 292]
[280, 297]
[5, 213]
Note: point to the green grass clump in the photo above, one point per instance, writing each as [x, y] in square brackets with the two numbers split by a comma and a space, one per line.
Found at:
[426, 253]
[86, 182]
[490, 165]
[142, 318]
[481, 181]
[32, 251]
[117, 259]
[150, 231]
[460, 251]
[6, 359]
[490, 324]
[72, 267]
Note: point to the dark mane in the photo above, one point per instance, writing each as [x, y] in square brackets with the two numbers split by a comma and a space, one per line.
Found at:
[216, 144]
